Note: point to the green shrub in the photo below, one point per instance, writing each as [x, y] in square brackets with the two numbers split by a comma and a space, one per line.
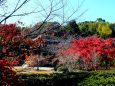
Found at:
[99, 79]
[96, 78]
[60, 79]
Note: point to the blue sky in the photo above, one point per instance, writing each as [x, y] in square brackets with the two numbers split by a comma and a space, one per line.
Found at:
[100, 9]
[95, 9]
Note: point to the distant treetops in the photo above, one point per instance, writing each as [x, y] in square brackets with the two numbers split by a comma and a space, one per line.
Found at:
[100, 26]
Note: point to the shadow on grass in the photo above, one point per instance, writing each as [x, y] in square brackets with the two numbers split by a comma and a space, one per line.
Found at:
[58, 79]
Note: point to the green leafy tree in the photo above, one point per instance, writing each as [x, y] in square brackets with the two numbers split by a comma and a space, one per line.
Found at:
[87, 28]
[92, 27]
[100, 20]
[72, 27]
[112, 26]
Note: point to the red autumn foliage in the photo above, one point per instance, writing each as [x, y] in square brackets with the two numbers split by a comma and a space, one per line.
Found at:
[7, 32]
[93, 48]
[8, 77]
[14, 45]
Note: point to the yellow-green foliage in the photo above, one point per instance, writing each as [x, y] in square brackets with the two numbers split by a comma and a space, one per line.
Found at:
[104, 30]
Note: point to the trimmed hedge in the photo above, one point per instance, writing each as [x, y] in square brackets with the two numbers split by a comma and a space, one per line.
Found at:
[99, 79]
[71, 79]
[62, 79]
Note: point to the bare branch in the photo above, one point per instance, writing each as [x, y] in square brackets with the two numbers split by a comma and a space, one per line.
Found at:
[17, 4]
[39, 28]
[24, 14]
[2, 2]
[16, 9]
[81, 14]
[54, 8]
[43, 8]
